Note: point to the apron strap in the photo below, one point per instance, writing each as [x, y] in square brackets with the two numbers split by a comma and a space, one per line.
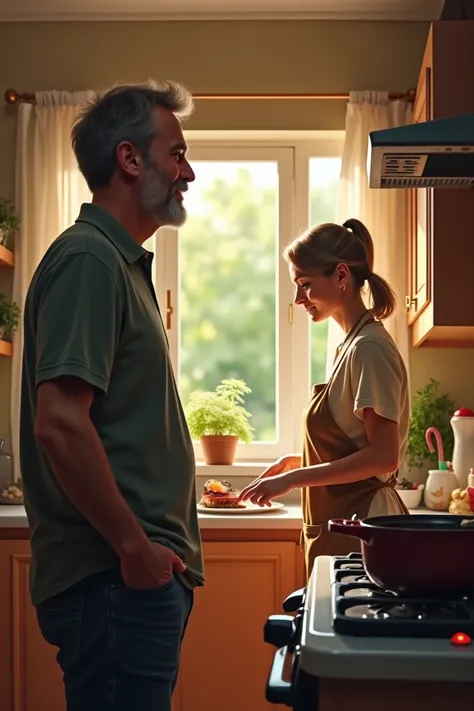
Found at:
[366, 319]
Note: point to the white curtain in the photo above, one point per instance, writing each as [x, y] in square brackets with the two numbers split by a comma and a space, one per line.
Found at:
[49, 192]
[384, 212]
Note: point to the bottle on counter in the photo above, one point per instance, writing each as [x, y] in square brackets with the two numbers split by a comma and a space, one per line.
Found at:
[463, 454]
[470, 479]
[6, 466]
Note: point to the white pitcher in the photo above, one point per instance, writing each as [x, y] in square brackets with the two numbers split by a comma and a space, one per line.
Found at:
[463, 454]
[438, 489]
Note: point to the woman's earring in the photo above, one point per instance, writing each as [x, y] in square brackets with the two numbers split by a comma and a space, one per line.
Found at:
[343, 287]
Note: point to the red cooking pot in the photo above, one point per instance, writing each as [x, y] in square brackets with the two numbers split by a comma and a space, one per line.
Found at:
[429, 555]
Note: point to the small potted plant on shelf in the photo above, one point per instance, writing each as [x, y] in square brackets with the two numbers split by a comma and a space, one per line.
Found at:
[219, 420]
[429, 409]
[9, 221]
[9, 318]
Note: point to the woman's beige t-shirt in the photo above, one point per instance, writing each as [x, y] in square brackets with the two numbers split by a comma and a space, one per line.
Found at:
[372, 374]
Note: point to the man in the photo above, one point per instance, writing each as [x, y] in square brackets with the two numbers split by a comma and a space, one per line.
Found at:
[106, 457]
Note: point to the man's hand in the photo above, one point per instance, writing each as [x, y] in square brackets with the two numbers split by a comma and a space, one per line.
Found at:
[152, 567]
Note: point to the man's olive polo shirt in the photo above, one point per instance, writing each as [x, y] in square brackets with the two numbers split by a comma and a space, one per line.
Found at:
[91, 312]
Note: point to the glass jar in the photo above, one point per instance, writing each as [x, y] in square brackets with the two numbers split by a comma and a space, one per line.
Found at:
[470, 479]
[6, 467]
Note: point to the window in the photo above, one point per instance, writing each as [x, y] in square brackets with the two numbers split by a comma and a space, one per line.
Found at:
[224, 287]
[323, 185]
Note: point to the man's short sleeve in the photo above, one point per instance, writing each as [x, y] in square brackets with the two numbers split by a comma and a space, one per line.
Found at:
[78, 322]
[376, 380]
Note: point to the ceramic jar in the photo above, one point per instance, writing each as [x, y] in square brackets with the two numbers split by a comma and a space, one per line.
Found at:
[438, 489]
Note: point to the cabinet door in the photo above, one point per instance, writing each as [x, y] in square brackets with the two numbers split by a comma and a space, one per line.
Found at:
[421, 219]
[224, 662]
[31, 679]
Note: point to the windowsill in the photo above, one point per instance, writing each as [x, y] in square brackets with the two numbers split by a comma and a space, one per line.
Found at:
[219, 471]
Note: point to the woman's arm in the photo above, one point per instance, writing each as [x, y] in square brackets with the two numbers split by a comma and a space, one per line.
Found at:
[380, 456]
[377, 382]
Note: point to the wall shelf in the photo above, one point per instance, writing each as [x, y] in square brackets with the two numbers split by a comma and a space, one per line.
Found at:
[7, 258]
[6, 349]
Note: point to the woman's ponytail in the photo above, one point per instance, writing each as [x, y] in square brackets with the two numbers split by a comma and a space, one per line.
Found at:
[383, 297]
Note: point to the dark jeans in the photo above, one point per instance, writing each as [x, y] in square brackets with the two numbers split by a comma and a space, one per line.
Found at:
[118, 648]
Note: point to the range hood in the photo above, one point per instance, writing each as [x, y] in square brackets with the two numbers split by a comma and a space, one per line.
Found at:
[435, 154]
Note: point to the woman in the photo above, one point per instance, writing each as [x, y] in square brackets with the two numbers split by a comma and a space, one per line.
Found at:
[356, 424]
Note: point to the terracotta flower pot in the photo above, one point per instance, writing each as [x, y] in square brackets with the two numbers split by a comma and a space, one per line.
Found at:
[5, 236]
[219, 449]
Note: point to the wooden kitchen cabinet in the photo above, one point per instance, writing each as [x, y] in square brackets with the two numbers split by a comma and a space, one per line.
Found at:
[31, 679]
[224, 663]
[420, 205]
[440, 300]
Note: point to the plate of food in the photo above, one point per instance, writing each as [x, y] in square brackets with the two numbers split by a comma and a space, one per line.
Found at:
[219, 497]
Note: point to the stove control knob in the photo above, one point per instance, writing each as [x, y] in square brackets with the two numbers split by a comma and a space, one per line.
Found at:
[279, 630]
[297, 624]
[461, 639]
[294, 601]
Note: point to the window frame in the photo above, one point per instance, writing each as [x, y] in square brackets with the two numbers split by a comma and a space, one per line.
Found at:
[293, 151]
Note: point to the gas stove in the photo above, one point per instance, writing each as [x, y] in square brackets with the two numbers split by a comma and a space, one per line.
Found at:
[344, 627]
[361, 608]
[371, 632]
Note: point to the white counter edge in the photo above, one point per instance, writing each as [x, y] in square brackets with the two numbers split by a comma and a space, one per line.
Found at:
[288, 518]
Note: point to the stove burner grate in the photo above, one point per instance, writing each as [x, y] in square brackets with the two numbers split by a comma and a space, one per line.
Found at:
[361, 608]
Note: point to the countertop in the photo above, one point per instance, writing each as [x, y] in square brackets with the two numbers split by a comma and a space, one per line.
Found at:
[286, 518]
[290, 517]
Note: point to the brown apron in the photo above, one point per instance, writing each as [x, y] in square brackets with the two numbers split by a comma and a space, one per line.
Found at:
[324, 441]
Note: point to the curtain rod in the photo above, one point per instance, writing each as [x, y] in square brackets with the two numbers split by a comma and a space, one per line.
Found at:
[14, 97]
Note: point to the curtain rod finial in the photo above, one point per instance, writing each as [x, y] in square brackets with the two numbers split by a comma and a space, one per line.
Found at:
[12, 96]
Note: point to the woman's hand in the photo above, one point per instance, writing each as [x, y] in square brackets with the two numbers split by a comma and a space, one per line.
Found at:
[263, 490]
[272, 483]
[282, 465]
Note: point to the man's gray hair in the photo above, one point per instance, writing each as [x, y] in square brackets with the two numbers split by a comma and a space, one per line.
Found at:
[125, 113]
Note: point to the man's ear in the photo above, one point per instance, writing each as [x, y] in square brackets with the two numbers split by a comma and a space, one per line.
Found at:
[128, 159]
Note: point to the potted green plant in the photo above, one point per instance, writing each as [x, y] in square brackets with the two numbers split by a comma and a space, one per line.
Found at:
[9, 221]
[429, 409]
[219, 420]
[9, 318]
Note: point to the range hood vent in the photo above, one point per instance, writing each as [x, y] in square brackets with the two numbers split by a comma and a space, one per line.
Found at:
[435, 154]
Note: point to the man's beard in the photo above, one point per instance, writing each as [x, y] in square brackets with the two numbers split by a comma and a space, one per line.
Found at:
[158, 198]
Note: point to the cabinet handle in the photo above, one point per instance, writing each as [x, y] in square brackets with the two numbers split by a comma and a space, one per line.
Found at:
[410, 302]
[169, 310]
[428, 94]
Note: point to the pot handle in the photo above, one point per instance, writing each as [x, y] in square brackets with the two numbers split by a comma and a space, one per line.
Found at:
[349, 528]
